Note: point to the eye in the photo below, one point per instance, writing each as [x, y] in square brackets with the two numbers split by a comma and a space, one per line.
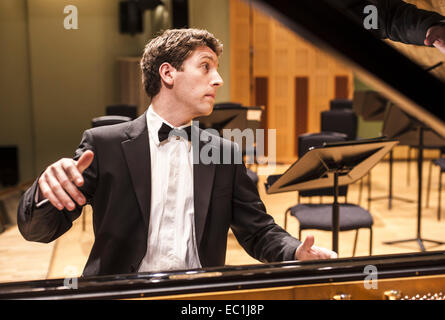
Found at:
[206, 66]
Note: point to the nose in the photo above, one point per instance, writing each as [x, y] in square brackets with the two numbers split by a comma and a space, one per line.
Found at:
[217, 81]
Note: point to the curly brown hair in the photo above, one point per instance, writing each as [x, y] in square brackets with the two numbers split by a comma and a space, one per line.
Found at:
[173, 46]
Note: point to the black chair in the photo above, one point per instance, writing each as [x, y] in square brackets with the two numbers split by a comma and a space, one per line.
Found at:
[343, 121]
[108, 120]
[319, 216]
[340, 104]
[105, 121]
[125, 110]
[341, 118]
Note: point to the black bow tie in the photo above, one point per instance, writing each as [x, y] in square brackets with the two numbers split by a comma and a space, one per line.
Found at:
[166, 130]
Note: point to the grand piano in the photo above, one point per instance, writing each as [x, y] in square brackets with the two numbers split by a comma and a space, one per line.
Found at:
[389, 277]
[398, 276]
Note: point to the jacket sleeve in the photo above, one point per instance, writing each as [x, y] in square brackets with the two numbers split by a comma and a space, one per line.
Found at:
[397, 20]
[254, 229]
[46, 223]
[404, 22]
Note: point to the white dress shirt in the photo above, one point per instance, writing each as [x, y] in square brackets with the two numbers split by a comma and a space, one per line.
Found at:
[171, 243]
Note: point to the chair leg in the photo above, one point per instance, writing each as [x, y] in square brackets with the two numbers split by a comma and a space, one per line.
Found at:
[370, 241]
[285, 219]
[355, 242]
[369, 191]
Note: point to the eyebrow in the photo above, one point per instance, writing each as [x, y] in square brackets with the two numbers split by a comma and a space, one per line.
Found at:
[211, 58]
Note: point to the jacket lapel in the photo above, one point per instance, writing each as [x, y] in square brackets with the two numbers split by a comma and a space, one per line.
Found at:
[137, 154]
[203, 176]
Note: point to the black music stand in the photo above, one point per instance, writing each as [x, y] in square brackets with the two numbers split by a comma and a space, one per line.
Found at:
[233, 116]
[332, 165]
[371, 106]
[410, 131]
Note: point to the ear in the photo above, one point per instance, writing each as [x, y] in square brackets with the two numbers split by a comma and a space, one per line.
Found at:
[167, 73]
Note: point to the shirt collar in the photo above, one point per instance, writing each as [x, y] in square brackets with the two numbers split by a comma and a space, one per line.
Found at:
[154, 123]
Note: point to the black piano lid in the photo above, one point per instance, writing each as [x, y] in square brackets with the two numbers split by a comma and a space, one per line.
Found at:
[402, 81]
[229, 278]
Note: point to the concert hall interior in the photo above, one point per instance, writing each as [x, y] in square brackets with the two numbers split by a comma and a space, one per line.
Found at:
[65, 64]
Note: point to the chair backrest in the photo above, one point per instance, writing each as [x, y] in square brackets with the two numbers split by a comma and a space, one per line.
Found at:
[308, 140]
[340, 104]
[125, 110]
[224, 105]
[343, 121]
[108, 120]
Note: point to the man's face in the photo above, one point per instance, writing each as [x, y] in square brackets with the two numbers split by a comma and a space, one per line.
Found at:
[196, 83]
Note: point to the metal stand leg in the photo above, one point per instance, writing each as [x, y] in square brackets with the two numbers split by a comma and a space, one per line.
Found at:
[390, 195]
[408, 165]
[440, 195]
[335, 216]
[418, 239]
[428, 190]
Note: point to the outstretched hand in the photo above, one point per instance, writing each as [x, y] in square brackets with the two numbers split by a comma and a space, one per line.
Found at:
[307, 251]
[60, 181]
[435, 36]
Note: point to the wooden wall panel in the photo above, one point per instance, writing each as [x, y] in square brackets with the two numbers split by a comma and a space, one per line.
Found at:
[280, 56]
[301, 107]
[239, 52]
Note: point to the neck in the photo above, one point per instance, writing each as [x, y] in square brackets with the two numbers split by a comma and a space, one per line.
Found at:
[171, 111]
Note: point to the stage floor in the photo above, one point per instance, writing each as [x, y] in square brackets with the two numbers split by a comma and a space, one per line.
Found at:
[21, 260]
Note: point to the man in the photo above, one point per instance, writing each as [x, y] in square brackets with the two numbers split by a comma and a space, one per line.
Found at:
[400, 21]
[156, 206]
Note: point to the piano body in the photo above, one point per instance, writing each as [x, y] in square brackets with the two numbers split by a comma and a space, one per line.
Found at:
[389, 277]
[399, 276]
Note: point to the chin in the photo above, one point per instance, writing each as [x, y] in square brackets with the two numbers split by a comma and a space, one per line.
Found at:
[206, 109]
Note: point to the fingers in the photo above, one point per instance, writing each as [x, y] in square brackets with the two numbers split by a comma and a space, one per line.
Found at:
[307, 251]
[430, 39]
[85, 161]
[308, 243]
[49, 194]
[327, 254]
[65, 182]
[435, 33]
[59, 192]
[73, 172]
[56, 183]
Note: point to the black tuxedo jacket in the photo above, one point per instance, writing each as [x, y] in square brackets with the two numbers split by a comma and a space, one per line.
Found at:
[117, 186]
